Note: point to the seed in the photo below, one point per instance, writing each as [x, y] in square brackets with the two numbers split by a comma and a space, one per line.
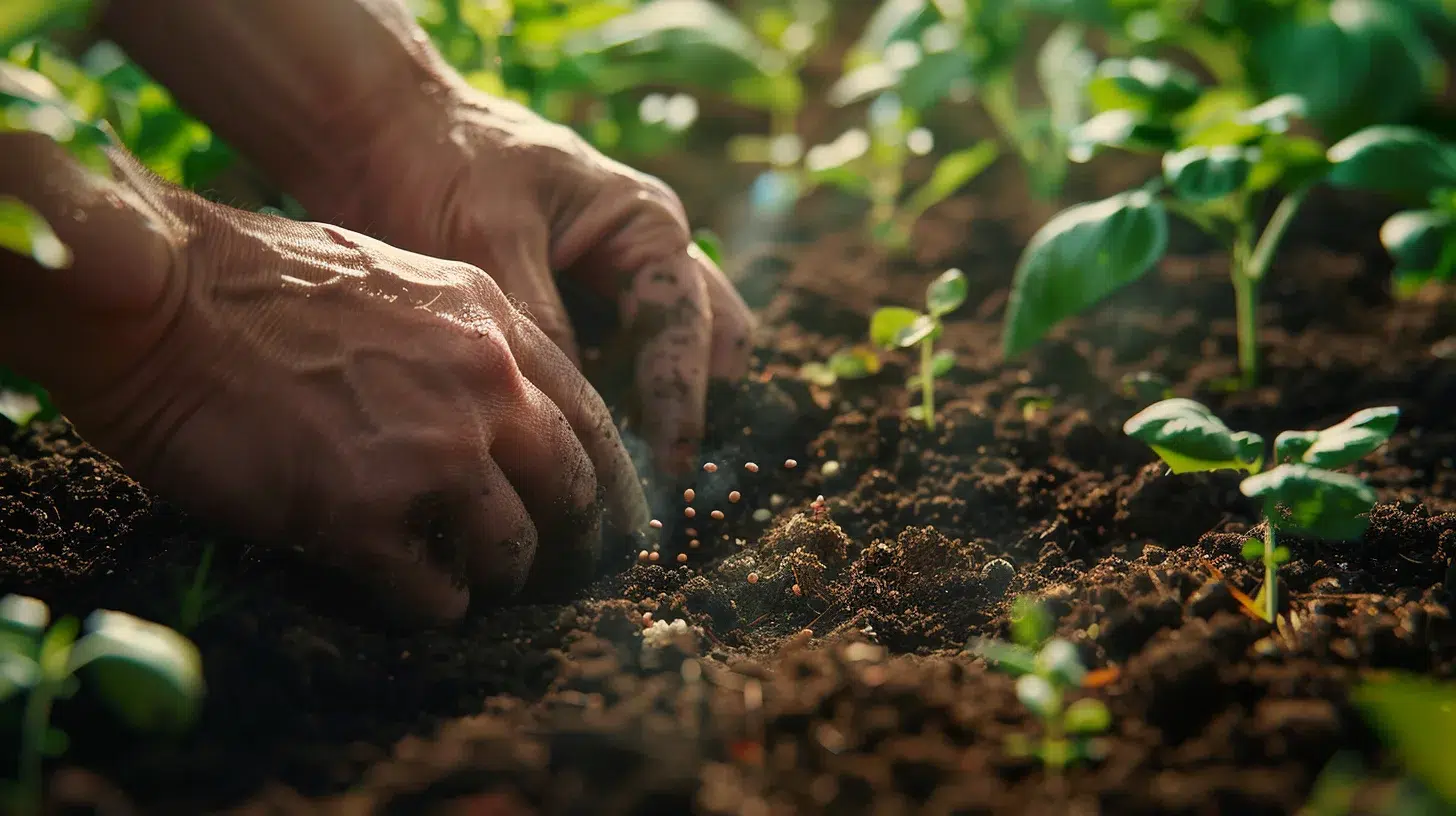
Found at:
[734, 496]
[655, 524]
[682, 558]
[717, 514]
[798, 591]
[750, 467]
[646, 619]
[752, 577]
[643, 556]
[652, 556]
[691, 531]
[689, 512]
[762, 514]
[689, 495]
[829, 468]
[791, 463]
[694, 544]
[709, 467]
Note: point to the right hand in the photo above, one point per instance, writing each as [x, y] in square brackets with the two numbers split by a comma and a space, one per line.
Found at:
[300, 384]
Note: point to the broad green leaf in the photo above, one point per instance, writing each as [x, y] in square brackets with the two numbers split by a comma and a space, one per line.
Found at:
[854, 364]
[1287, 161]
[1339, 445]
[1148, 86]
[1318, 503]
[1217, 119]
[941, 362]
[1275, 115]
[1124, 129]
[1059, 662]
[1038, 695]
[887, 324]
[25, 616]
[1087, 716]
[22, 401]
[864, 82]
[1281, 555]
[923, 326]
[1190, 438]
[1031, 622]
[1008, 657]
[1253, 549]
[946, 293]
[1081, 256]
[22, 19]
[1393, 159]
[1354, 62]
[149, 675]
[30, 102]
[1064, 66]
[893, 20]
[1423, 246]
[1207, 173]
[25, 232]
[951, 173]
[1416, 717]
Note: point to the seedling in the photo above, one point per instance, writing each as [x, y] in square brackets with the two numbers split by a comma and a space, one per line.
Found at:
[1046, 670]
[896, 327]
[147, 674]
[854, 363]
[198, 598]
[1221, 162]
[1302, 492]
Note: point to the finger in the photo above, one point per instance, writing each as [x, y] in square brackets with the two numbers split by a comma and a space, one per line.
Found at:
[733, 322]
[519, 265]
[666, 310]
[400, 578]
[537, 449]
[559, 379]
[498, 536]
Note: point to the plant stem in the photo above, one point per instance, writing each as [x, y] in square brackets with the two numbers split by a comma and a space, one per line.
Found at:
[1246, 307]
[1251, 262]
[927, 383]
[53, 658]
[1279, 222]
[1271, 574]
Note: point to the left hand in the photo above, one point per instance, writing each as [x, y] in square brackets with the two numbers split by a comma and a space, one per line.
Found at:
[488, 182]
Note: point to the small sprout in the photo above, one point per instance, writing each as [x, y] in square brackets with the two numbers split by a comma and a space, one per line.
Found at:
[1032, 401]
[689, 495]
[895, 327]
[750, 467]
[148, 675]
[734, 496]
[1046, 670]
[1301, 493]
[846, 364]
[717, 515]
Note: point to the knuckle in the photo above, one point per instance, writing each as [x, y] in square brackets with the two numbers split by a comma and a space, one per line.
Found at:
[493, 366]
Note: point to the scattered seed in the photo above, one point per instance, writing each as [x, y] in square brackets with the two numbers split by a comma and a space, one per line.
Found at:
[752, 577]
[689, 512]
[694, 544]
[750, 467]
[797, 590]
[689, 495]
[692, 532]
[762, 514]
[791, 463]
[709, 467]
[776, 500]
[653, 556]
[655, 524]
[829, 468]
[643, 556]
[646, 619]
[682, 558]
[734, 496]
[717, 515]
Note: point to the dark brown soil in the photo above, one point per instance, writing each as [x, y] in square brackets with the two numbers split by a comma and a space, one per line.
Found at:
[854, 694]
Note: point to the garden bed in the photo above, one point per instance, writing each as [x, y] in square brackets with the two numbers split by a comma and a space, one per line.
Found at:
[855, 694]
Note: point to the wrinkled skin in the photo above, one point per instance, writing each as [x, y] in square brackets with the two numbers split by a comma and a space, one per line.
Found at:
[387, 412]
[488, 181]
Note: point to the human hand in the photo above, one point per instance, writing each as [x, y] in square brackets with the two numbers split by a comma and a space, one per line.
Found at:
[386, 412]
[467, 176]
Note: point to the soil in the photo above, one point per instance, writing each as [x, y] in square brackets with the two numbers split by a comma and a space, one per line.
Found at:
[825, 669]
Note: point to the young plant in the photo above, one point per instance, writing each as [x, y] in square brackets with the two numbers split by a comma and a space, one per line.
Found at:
[198, 599]
[1047, 669]
[1302, 492]
[896, 327]
[1222, 163]
[854, 363]
[148, 675]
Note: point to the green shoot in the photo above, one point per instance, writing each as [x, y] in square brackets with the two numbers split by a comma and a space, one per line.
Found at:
[895, 327]
[148, 675]
[854, 363]
[1047, 669]
[1302, 492]
[198, 599]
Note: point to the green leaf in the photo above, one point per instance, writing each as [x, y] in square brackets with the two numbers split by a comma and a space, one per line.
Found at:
[18, 672]
[1288, 161]
[854, 364]
[24, 616]
[1392, 159]
[1276, 115]
[893, 21]
[149, 675]
[1281, 555]
[1008, 657]
[1031, 623]
[1207, 173]
[1190, 438]
[1087, 716]
[1253, 549]
[942, 362]
[951, 173]
[1146, 386]
[1416, 717]
[1144, 85]
[21, 20]
[1123, 129]
[819, 374]
[888, 323]
[711, 245]
[1422, 242]
[1081, 256]
[1064, 66]
[1038, 695]
[1059, 662]
[1354, 62]
[923, 327]
[1318, 503]
[1341, 444]
[25, 232]
[946, 293]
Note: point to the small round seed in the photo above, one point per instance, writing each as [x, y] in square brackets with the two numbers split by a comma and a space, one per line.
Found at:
[797, 590]
[752, 577]
[689, 512]
[717, 515]
[643, 556]
[653, 556]
[762, 514]
[750, 467]
[791, 463]
[689, 495]
[655, 524]
[646, 619]
[682, 558]
[709, 467]
[694, 544]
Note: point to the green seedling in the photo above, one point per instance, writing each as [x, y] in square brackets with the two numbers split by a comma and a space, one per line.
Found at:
[148, 675]
[1302, 490]
[1047, 669]
[1223, 162]
[199, 599]
[1032, 401]
[896, 327]
[855, 363]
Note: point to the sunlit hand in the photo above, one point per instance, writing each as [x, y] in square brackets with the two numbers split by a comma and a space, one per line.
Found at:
[301, 384]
